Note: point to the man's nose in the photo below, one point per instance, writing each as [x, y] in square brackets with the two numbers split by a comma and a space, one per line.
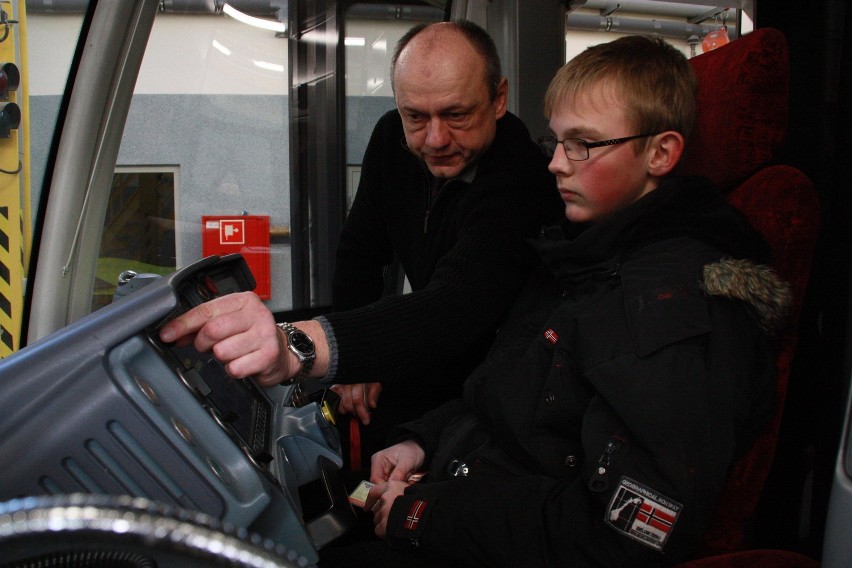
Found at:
[437, 134]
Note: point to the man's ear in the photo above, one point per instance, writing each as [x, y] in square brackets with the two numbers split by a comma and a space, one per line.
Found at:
[501, 100]
[665, 151]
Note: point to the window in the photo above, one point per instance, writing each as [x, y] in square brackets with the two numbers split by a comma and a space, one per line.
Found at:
[139, 228]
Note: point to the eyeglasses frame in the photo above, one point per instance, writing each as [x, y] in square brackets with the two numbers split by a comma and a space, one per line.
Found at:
[589, 145]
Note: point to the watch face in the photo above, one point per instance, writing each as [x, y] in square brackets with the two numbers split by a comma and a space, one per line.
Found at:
[302, 343]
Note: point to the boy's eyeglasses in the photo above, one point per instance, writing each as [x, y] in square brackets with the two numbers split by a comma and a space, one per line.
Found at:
[577, 149]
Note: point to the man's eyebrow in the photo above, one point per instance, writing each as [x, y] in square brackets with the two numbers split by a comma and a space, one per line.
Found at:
[454, 108]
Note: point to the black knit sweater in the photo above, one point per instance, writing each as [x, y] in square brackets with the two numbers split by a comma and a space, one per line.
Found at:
[465, 253]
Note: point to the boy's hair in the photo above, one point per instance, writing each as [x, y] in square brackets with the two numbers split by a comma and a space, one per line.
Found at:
[475, 35]
[652, 78]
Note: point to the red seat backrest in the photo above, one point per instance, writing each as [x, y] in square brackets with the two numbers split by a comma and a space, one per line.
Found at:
[742, 107]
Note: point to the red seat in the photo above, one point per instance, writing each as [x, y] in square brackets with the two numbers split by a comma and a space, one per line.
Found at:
[742, 106]
[754, 559]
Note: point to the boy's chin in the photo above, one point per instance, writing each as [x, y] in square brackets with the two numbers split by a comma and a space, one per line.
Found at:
[577, 214]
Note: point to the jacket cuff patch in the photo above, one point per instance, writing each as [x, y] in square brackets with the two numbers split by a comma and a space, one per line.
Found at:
[642, 514]
[415, 513]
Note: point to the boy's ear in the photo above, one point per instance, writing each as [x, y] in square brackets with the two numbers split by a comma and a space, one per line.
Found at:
[665, 152]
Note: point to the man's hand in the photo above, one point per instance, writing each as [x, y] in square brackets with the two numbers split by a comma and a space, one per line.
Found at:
[358, 399]
[380, 500]
[397, 463]
[240, 331]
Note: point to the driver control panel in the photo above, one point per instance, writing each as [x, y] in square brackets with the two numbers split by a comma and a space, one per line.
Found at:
[103, 406]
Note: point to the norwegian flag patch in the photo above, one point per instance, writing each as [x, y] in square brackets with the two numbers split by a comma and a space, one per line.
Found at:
[415, 513]
[551, 336]
[642, 514]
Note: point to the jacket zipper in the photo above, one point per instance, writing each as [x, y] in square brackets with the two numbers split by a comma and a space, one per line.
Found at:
[599, 480]
[428, 189]
[426, 184]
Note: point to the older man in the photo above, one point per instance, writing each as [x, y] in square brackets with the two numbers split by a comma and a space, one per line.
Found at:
[453, 187]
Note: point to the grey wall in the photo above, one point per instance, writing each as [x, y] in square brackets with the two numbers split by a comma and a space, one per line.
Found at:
[362, 113]
[232, 152]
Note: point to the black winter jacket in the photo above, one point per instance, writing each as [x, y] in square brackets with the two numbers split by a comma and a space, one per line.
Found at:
[466, 256]
[601, 427]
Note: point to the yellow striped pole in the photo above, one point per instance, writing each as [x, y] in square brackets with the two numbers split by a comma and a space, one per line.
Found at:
[15, 238]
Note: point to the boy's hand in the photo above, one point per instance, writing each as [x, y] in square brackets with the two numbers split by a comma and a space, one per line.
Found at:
[380, 500]
[397, 463]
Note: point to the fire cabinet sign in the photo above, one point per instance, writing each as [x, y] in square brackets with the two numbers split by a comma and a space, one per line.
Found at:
[247, 235]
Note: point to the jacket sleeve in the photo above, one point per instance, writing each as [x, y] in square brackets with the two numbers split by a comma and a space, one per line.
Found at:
[427, 430]
[658, 436]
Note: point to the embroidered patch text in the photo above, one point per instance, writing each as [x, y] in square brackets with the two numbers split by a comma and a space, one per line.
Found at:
[642, 514]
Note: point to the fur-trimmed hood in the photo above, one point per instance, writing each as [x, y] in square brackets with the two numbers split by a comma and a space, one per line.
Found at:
[768, 297]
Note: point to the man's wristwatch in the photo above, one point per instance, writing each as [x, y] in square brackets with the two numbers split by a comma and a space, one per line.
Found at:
[301, 345]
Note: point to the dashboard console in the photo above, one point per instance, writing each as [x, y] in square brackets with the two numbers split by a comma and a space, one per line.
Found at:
[103, 407]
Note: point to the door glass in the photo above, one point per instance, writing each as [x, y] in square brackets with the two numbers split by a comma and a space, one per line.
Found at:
[51, 41]
[206, 134]
[210, 104]
[372, 31]
[209, 118]
[211, 101]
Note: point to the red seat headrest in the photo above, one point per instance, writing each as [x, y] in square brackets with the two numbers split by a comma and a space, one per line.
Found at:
[742, 97]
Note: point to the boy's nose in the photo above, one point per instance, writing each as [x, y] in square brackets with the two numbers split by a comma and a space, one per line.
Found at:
[559, 163]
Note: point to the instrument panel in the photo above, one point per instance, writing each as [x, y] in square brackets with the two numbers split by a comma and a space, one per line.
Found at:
[104, 407]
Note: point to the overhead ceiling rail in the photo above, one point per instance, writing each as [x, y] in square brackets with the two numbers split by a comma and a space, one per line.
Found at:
[692, 11]
[259, 8]
[394, 12]
[665, 28]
